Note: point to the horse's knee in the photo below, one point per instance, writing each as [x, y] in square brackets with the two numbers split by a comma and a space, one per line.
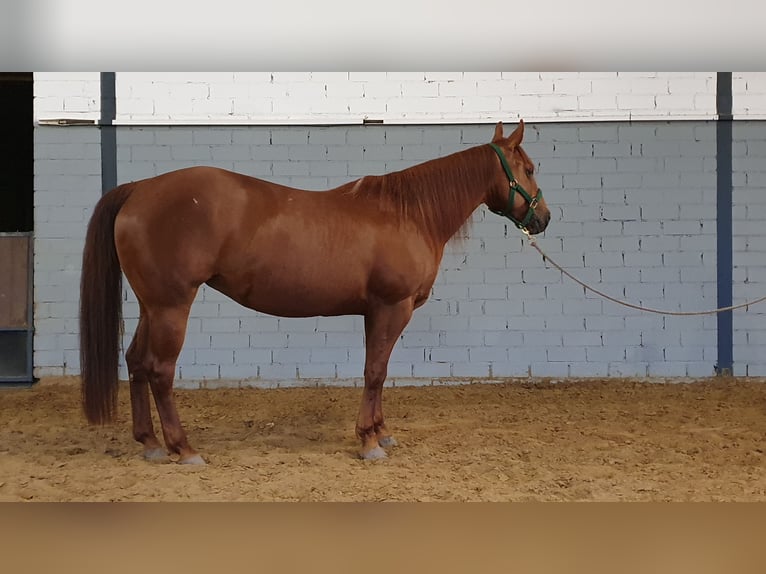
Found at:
[161, 375]
[165, 370]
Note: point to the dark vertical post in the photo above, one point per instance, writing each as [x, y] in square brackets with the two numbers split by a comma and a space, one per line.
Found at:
[108, 132]
[724, 236]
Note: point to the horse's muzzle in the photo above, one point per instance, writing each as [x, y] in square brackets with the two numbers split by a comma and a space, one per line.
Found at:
[538, 222]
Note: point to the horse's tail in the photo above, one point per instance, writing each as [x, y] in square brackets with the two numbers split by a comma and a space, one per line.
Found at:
[101, 310]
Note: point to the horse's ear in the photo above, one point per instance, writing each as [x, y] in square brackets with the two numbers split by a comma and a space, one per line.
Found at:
[518, 134]
[498, 132]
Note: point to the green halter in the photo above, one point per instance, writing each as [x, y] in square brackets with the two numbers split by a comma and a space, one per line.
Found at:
[515, 186]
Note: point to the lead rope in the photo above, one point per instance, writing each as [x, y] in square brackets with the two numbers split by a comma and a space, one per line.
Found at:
[546, 258]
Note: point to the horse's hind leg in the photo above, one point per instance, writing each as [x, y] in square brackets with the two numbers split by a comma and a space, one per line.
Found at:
[143, 429]
[166, 332]
[383, 325]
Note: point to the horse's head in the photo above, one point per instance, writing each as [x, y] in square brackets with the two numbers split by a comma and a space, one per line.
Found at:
[518, 198]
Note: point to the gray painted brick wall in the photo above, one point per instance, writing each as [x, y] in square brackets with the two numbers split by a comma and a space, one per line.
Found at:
[67, 184]
[749, 245]
[633, 213]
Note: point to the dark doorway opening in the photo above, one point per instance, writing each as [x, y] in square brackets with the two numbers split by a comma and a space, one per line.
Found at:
[16, 152]
[16, 225]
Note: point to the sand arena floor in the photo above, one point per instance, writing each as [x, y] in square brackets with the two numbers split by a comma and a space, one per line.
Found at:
[594, 440]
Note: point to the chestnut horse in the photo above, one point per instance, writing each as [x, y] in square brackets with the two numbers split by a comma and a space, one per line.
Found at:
[371, 247]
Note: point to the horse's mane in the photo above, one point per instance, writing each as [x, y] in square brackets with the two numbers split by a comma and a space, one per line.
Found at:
[437, 195]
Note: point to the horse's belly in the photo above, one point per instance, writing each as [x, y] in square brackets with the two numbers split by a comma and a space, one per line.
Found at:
[312, 269]
[292, 292]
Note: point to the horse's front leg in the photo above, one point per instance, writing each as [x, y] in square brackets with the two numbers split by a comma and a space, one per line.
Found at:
[383, 324]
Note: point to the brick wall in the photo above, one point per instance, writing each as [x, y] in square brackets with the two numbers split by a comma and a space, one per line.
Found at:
[67, 185]
[67, 94]
[396, 97]
[749, 95]
[349, 97]
[749, 245]
[633, 207]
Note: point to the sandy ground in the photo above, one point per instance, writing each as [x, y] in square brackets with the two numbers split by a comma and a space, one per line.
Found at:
[518, 441]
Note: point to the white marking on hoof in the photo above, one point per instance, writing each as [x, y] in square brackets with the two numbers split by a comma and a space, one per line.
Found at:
[375, 454]
[387, 441]
[194, 459]
[157, 455]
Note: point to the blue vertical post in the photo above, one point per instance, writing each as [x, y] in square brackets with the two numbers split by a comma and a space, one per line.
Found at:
[724, 236]
[108, 132]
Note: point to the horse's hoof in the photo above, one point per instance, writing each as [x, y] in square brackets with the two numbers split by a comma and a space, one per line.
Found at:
[373, 454]
[387, 441]
[193, 459]
[157, 455]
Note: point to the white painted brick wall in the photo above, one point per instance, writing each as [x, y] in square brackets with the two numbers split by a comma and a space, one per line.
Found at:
[395, 97]
[349, 97]
[75, 95]
[749, 95]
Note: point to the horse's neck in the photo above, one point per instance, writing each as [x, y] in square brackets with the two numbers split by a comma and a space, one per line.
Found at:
[445, 192]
